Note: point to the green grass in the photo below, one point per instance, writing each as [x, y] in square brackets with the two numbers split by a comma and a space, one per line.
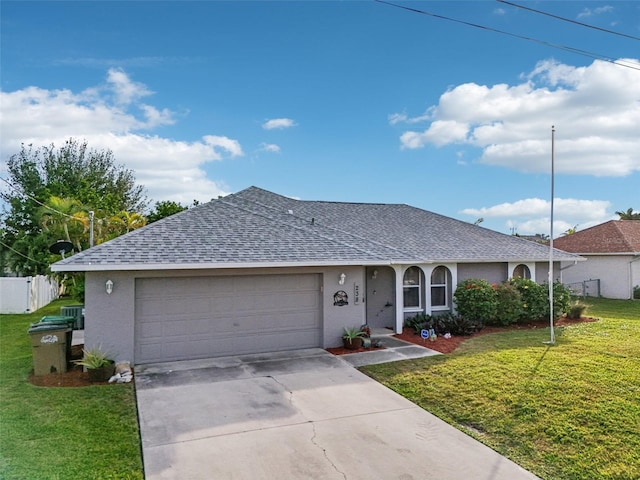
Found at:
[61, 433]
[568, 411]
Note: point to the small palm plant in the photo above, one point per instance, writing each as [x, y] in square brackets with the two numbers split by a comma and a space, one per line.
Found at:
[94, 358]
[98, 364]
[352, 337]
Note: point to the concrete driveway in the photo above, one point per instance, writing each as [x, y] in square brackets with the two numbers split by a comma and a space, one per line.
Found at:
[296, 415]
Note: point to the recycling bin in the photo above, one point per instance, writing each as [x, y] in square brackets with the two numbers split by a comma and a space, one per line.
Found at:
[50, 343]
[75, 311]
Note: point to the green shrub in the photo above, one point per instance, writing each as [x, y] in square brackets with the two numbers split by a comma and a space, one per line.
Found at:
[561, 299]
[576, 310]
[458, 325]
[636, 292]
[417, 322]
[423, 321]
[509, 307]
[75, 286]
[476, 300]
[535, 299]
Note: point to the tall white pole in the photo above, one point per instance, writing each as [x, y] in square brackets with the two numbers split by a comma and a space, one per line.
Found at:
[552, 339]
[90, 228]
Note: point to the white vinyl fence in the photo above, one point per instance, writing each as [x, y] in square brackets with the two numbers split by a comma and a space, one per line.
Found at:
[26, 294]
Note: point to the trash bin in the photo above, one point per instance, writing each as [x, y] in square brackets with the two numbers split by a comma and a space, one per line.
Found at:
[61, 320]
[75, 311]
[50, 347]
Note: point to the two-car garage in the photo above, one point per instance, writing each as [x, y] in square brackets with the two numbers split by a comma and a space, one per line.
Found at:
[181, 318]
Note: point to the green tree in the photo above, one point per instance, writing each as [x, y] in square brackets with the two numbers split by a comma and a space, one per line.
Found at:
[629, 215]
[72, 172]
[164, 209]
[66, 219]
[124, 222]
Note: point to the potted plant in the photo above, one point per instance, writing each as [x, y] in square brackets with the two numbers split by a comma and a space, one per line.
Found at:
[98, 364]
[352, 338]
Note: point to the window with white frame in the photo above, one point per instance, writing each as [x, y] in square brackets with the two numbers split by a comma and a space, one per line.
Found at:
[412, 288]
[440, 287]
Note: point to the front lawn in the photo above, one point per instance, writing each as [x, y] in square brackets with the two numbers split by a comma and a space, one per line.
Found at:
[61, 433]
[568, 411]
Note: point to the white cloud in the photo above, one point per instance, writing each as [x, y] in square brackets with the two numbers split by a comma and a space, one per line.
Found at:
[588, 12]
[440, 133]
[112, 116]
[226, 143]
[269, 147]
[125, 90]
[395, 118]
[531, 215]
[278, 124]
[595, 110]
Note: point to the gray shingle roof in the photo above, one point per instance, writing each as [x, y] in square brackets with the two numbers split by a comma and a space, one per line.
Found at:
[257, 227]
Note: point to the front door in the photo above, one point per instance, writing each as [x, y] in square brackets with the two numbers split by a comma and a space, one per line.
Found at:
[380, 300]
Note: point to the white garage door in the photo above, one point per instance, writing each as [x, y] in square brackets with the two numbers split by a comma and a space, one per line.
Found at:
[199, 317]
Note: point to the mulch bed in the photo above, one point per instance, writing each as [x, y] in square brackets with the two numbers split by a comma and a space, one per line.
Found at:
[74, 376]
[448, 345]
[345, 351]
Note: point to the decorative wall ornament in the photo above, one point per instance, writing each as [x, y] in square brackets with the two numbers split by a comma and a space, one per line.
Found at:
[340, 298]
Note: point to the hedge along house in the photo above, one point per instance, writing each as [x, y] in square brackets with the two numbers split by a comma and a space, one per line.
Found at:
[258, 272]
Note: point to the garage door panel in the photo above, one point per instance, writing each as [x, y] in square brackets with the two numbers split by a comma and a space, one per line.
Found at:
[183, 318]
[194, 327]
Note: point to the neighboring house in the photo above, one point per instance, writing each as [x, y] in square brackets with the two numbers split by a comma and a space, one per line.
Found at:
[256, 272]
[612, 250]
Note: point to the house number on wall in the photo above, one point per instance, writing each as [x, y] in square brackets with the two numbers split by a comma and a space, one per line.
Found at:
[49, 339]
[356, 294]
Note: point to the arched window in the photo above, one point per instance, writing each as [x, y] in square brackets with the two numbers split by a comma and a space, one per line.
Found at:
[440, 281]
[412, 288]
[521, 271]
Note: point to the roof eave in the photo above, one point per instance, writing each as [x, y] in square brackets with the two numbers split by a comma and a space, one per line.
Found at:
[112, 267]
[99, 267]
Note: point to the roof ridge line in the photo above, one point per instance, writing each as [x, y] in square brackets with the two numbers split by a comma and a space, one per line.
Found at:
[269, 207]
[623, 234]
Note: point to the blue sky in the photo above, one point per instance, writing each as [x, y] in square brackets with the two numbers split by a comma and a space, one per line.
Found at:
[344, 101]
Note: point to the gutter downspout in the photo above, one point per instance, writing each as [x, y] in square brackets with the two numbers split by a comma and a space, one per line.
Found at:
[631, 285]
[575, 262]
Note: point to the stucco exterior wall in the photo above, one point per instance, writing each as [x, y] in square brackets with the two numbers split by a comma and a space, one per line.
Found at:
[492, 272]
[109, 319]
[336, 318]
[617, 274]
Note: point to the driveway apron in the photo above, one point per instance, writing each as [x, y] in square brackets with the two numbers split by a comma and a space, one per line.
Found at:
[304, 414]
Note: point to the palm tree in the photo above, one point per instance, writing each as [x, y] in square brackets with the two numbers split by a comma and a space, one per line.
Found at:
[128, 221]
[628, 215]
[66, 218]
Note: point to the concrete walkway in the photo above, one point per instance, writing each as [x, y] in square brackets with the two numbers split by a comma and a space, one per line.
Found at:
[303, 414]
[393, 351]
